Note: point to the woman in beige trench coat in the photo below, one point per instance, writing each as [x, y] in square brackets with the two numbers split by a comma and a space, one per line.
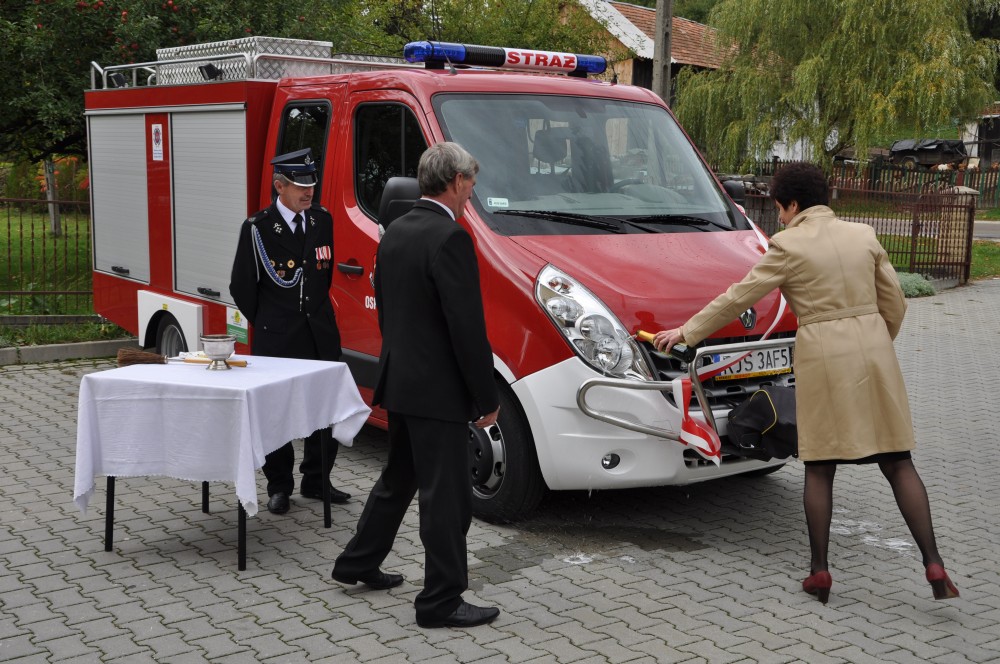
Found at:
[851, 401]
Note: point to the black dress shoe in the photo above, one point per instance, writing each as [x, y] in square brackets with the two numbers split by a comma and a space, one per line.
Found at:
[278, 503]
[336, 495]
[466, 615]
[377, 580]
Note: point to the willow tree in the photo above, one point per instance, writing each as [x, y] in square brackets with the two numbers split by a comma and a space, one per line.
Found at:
[835, 73]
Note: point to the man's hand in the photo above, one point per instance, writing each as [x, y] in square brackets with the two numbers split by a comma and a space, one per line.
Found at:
[487, 420]
[666, 339]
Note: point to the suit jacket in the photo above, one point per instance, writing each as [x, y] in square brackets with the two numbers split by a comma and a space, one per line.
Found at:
[436, 360]
[298, 321]
[850, 398]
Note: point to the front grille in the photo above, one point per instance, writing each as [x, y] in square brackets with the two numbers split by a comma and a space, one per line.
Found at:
[720, 393]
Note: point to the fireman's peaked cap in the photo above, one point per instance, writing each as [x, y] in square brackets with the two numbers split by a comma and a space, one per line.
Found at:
[297, 166]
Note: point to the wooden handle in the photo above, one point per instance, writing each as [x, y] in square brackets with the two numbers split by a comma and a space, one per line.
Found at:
[205, 360]
[644, 336]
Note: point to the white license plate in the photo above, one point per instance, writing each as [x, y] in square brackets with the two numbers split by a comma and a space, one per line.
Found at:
[766, 362]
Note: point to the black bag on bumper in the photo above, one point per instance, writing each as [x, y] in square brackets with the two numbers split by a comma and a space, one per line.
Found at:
[763, 426]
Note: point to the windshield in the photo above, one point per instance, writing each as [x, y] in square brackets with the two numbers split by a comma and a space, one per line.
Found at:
[562, 165]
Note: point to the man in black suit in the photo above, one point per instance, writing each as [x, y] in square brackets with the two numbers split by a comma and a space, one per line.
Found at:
[435, 376]
[281, 284]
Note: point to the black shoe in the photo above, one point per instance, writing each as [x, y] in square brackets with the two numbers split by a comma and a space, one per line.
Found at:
[336, 495]
[377, 580]
[466, 615]
[278, 503]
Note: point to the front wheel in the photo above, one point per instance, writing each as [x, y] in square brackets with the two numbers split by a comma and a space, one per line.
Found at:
[507, 484]
[169, 337]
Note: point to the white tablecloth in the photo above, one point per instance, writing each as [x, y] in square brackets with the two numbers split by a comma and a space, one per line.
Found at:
[184, 421]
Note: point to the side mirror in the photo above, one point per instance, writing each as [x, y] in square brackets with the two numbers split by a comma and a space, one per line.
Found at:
[736, 191]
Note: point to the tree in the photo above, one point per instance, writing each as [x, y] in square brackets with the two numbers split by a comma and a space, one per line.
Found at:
[383, 28]
[835, 74]
[48, 45]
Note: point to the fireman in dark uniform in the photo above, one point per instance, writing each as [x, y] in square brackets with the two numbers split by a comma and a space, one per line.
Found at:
[281, 284]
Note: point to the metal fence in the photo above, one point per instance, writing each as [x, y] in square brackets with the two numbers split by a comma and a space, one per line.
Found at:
[46, 269]
[880, 175]
[45, 257]
[923, 233]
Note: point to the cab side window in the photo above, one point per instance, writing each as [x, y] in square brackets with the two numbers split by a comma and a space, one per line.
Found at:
[306, 125]
[387, 143]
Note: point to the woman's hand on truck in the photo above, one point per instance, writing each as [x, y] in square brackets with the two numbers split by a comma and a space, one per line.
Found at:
[663, 340]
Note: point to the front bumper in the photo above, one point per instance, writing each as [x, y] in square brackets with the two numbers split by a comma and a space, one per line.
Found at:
[571, 444]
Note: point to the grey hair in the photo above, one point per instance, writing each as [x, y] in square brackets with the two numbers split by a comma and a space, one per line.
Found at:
[282, 178]
[439, 165]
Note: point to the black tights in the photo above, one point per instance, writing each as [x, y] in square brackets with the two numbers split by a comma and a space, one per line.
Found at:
[911, 497]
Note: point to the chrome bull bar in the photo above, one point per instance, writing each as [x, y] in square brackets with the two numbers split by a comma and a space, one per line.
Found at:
[660, 386]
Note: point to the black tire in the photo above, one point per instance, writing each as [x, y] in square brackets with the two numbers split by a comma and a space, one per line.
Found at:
[169, 337]
[909, 163]
[507, 484]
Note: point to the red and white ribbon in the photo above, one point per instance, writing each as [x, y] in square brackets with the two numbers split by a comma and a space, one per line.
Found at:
[696, 433]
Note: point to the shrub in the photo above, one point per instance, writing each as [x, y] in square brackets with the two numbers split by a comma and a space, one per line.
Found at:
[915, 285]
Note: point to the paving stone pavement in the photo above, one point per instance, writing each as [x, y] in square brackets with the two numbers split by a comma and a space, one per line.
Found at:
[706, 573]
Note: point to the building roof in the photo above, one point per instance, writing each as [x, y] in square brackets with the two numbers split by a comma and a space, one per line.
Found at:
[691, 43]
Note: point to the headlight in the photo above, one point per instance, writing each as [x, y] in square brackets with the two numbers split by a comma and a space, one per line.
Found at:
[592, 330]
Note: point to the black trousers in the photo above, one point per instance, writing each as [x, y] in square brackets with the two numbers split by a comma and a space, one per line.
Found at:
[430, 456]
[278, 464]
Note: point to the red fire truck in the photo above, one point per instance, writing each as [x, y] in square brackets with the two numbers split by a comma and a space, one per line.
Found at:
[594, 217]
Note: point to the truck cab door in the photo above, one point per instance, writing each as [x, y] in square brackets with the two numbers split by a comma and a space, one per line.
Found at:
[383, 138]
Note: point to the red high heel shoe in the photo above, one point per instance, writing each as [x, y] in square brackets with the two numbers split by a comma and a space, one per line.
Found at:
[940, 583]
[819, 584]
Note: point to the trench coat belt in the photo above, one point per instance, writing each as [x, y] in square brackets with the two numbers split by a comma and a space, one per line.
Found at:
[849, 312]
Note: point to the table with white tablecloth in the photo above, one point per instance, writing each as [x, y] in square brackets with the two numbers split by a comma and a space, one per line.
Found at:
[183, 421]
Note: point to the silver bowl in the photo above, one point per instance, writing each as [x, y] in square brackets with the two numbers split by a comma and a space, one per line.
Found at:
[218, 348]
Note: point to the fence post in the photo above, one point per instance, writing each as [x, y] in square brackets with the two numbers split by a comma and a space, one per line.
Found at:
[50, 193]
[970, 229]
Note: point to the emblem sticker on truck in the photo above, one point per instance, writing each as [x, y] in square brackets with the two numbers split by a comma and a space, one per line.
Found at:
[497, 202]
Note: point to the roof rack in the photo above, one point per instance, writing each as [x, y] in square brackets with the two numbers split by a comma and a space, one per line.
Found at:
[249, 58]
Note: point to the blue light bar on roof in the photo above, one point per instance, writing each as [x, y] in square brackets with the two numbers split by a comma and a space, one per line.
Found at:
[437, 53]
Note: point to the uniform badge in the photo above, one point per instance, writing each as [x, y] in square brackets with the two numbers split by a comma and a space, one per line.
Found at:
[278, 228]
[323, 253]
[281, 274]
[326, 264]
[290, 264]
[273, 263]
[319, 265]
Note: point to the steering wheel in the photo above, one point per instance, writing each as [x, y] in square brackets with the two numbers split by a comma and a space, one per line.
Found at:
[624, 183]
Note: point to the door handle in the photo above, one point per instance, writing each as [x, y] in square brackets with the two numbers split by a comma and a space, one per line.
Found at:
[208, 291]
[118, 269]
[347, 268]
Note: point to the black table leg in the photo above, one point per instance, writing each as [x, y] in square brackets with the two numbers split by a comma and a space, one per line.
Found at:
[241, 546]
[325, 440]
[109, 515]
[204, 497]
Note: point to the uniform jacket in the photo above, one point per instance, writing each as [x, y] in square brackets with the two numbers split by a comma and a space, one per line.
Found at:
[837, 278]
[288, 322]
[436, 360]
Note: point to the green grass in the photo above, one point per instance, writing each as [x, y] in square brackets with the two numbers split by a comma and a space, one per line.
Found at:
[989, 214]
[33, 260]
[985, 260]
[40, 335]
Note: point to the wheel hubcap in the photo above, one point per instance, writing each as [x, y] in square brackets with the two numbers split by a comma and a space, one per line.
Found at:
[487, 459]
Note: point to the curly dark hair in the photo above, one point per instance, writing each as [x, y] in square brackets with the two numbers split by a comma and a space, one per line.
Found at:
[802, 182]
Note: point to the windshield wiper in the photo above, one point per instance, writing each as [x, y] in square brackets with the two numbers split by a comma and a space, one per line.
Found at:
[566, 218]
[678, 219]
